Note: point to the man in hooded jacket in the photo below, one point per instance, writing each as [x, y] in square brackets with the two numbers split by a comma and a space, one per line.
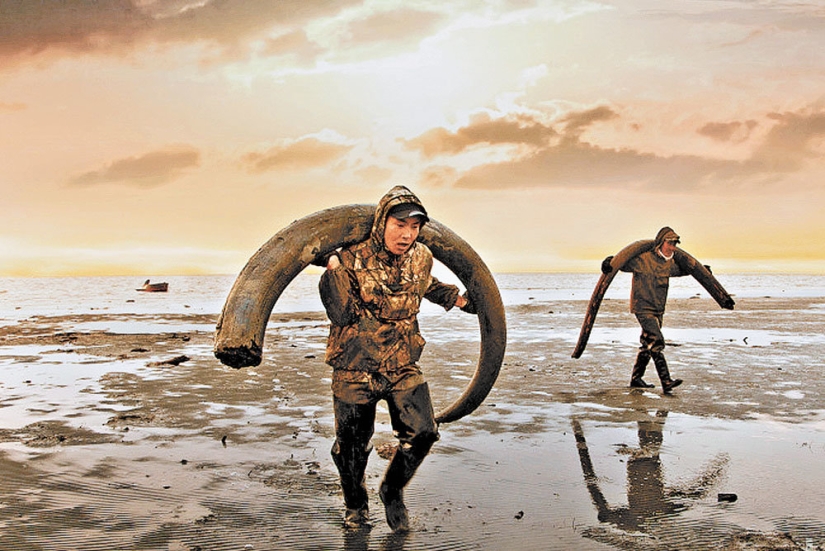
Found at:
[372, 292]
[652, 271]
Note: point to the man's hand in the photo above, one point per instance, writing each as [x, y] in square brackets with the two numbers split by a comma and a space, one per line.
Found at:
[606, 267]
[465, 304]
[325, 260]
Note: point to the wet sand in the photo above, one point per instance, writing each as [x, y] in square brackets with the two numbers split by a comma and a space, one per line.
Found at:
[115, 436]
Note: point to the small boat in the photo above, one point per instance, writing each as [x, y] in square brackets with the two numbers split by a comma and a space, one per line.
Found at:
[154, 287]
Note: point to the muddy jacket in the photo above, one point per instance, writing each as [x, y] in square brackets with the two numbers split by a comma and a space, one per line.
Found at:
[373, 298]
[651, 279]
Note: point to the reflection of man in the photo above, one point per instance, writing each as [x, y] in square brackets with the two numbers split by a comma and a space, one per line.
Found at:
[652, 271]
[645, 484]
[647, 496]
[372, 292]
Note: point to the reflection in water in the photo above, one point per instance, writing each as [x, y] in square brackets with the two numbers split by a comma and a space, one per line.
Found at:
[359, 540]
[647, 497]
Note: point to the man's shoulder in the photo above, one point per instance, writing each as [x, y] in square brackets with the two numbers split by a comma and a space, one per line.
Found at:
[421, 248]
[421, 254]
[362, 248]
[645, 262]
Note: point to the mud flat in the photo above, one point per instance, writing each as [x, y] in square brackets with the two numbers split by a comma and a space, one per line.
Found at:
[122, 431]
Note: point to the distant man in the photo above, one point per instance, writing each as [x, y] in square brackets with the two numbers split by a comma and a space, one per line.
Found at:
[372, 292]
[652, 271]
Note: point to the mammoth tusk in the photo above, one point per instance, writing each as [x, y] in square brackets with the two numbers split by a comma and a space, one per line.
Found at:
[242, 325]
[620, 259]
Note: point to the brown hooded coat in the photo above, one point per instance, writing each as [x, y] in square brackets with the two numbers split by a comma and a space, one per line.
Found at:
[651, 277]
[372, 300]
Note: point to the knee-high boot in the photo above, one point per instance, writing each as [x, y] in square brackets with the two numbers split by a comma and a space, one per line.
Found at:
[642, 359]
[401, 469]
[351, 462]
[668, 384]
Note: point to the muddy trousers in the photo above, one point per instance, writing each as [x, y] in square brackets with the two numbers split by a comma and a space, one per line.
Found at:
[413, 423]
[652, 346]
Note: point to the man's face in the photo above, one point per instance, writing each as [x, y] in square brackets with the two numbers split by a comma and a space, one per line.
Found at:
[668, 247]
[399, 235]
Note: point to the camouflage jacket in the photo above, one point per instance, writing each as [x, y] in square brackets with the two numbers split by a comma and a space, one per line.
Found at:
[373, 298]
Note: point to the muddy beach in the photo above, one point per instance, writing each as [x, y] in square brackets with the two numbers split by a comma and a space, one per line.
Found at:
[122, 431]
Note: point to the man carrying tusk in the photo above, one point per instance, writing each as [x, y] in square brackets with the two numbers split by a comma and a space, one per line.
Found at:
[372, 292]
[652, 271]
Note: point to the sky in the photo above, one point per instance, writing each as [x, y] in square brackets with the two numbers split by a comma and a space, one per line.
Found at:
[146, 137]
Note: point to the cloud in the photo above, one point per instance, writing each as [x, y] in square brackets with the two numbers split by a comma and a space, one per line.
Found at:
[303, 153]
[483, 130]
[438, 176]
[295, 44]
[734, 131]
[575, 123]
[29, 29]
[149, 170]
[392, 26]
[794, 140]
[574, 164]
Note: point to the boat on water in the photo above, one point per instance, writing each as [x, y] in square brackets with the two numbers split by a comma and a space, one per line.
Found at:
[154, 287]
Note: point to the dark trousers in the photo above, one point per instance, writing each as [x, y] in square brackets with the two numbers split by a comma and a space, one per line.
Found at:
[651, 338]
[413, 423]
[652, 346]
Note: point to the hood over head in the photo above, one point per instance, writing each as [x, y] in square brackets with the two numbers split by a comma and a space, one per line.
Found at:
[665, 234]
[398, 195]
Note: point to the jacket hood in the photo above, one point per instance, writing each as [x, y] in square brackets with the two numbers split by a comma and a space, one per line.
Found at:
[663, 235]
[399, 195]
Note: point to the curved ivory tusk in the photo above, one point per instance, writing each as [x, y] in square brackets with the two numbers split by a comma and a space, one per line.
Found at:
[240, 331]
[620, 259]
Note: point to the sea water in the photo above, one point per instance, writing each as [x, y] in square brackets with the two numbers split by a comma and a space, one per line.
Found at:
[21, 298]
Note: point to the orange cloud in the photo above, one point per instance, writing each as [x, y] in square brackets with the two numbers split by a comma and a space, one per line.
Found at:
[304, 153]
[792, 141]
[30, 29]
[393, 26]
[736, 131]
[149, 170]
[571, 162]
[438, 176]
[576, 122]
[576, 164]
[483, 130]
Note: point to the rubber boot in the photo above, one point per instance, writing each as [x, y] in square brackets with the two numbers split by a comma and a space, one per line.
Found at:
[352, 466]
[639, 367]
[401, 469]
[668, 384]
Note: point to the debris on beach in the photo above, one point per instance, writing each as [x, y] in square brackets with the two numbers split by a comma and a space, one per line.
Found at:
[177, 360]
[761, 541]
[386, 450]
[133, 417]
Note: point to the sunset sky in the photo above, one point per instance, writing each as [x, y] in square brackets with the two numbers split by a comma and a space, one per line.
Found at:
[152, 137]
